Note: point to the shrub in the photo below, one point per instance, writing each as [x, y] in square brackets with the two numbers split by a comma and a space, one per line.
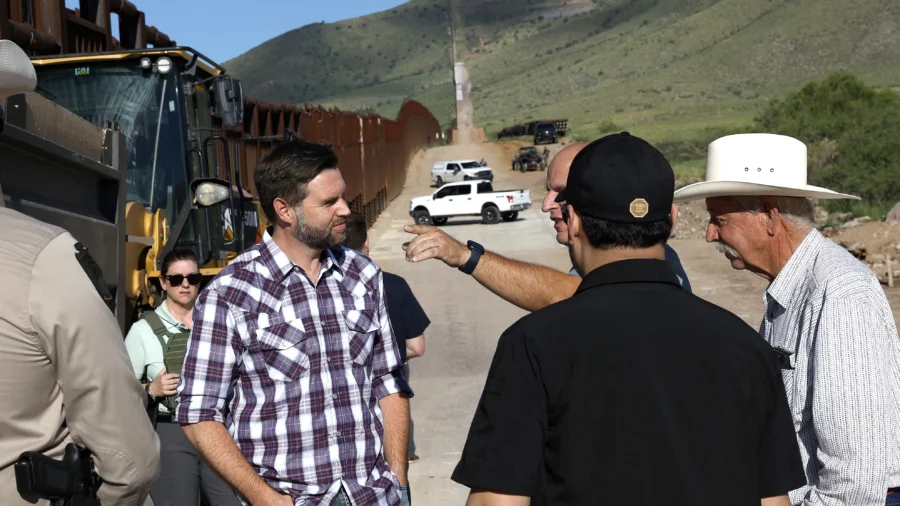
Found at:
[851, 132]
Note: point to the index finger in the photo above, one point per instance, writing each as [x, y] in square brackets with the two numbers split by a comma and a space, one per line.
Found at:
[417, 229]
[424, 236]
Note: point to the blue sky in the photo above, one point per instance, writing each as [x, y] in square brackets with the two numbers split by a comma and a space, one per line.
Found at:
[224, 29]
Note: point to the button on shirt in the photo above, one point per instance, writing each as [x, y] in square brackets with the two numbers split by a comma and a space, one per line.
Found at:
[633, 391]
[295, 371]
[828, 315]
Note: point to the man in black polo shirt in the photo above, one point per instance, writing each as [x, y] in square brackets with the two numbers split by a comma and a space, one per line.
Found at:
[408, 319]
[633, 391]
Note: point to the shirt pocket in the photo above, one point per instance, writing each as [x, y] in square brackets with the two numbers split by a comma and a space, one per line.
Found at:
[362, 327]
[283, 347]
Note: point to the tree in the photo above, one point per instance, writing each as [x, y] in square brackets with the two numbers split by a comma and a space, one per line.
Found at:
[851, 131]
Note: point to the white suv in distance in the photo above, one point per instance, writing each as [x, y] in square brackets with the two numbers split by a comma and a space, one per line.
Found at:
[460, 170]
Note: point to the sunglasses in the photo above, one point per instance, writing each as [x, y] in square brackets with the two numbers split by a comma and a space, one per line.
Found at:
[177, 279]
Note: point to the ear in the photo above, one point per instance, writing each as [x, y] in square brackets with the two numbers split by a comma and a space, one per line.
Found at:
[284, 211]
[367, 243]
[771, 216]
[574, 224]
[674, 214]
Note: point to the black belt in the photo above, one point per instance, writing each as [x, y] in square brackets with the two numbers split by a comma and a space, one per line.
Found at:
[165, 418]
[894, 490]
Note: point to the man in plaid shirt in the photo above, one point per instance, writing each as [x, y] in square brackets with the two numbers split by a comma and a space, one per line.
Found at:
[292, 387]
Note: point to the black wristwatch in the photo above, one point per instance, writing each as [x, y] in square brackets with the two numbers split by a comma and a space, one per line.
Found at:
[476, 250]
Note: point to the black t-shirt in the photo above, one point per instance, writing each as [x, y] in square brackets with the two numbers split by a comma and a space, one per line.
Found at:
[408, 319]
[634, 392]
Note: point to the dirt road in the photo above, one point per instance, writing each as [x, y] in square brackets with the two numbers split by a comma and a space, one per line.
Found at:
[467, 319]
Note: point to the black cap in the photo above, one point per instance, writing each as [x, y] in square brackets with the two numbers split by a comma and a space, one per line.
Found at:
[620, 178]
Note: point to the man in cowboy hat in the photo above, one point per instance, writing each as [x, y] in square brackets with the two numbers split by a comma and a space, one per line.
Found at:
[826, 316]
[65, 376]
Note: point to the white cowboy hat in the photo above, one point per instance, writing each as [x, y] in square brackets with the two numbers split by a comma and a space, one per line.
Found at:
[16, 71]
[756, 165]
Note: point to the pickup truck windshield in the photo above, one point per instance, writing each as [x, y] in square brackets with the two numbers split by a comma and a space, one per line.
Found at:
[471, 165]
[143, 104]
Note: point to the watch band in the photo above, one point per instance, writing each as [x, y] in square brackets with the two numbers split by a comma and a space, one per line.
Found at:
[476, 250]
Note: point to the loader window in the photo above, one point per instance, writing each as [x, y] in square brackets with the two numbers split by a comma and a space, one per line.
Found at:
[144, 106]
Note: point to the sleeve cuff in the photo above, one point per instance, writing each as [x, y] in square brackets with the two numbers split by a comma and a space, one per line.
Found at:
[191, 410]
[391, 383]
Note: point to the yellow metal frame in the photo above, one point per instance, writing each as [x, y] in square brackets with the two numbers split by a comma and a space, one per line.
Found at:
[125, 56]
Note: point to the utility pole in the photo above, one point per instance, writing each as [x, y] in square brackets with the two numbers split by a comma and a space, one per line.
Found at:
[456, 83]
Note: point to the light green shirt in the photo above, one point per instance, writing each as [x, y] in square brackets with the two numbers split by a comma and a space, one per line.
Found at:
[144, 348]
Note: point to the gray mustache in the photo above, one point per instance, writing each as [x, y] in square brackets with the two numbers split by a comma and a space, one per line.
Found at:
[724, 248]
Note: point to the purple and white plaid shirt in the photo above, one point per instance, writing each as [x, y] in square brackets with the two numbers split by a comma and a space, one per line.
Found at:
[295, 372]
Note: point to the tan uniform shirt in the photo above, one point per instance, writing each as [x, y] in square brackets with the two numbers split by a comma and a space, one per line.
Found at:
[64, 372]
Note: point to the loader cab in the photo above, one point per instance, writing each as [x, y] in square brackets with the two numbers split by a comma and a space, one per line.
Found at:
[174, 108]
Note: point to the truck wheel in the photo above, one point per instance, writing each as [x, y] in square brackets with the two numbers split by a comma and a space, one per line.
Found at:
[510, 216]
[516, 166]
[522, 168]
[423, 218]
[490, 215]
[439, 220]
[440, 181]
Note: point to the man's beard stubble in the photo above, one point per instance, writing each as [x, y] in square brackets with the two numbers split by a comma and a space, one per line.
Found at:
[318, 238]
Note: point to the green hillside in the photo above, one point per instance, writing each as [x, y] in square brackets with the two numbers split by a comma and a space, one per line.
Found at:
[373, 62]
[666, 69]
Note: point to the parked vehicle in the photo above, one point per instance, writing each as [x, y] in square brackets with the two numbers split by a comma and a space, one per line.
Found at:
[527, 159]
[469, 198]
[546, 132]
[452, 171]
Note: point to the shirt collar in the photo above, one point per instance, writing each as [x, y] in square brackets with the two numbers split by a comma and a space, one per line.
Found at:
[638, 270]
[794, 273]
[166, 316]
[281, 266]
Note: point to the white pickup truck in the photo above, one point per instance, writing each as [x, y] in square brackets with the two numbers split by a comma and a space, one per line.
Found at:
[469, 198]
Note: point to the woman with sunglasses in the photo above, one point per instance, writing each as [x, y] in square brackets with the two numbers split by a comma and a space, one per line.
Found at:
[183, 472]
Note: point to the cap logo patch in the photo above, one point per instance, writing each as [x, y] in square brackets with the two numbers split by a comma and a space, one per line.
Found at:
[639, 208]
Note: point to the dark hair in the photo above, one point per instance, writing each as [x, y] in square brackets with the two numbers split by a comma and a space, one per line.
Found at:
[355, 232]
[604, 234]
[285, 172]
[176, 255]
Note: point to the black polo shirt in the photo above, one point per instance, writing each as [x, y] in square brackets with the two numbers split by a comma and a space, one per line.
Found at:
[408, 319]
[634, 392]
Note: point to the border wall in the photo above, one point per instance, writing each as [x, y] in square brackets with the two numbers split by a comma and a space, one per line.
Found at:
[373, 151]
